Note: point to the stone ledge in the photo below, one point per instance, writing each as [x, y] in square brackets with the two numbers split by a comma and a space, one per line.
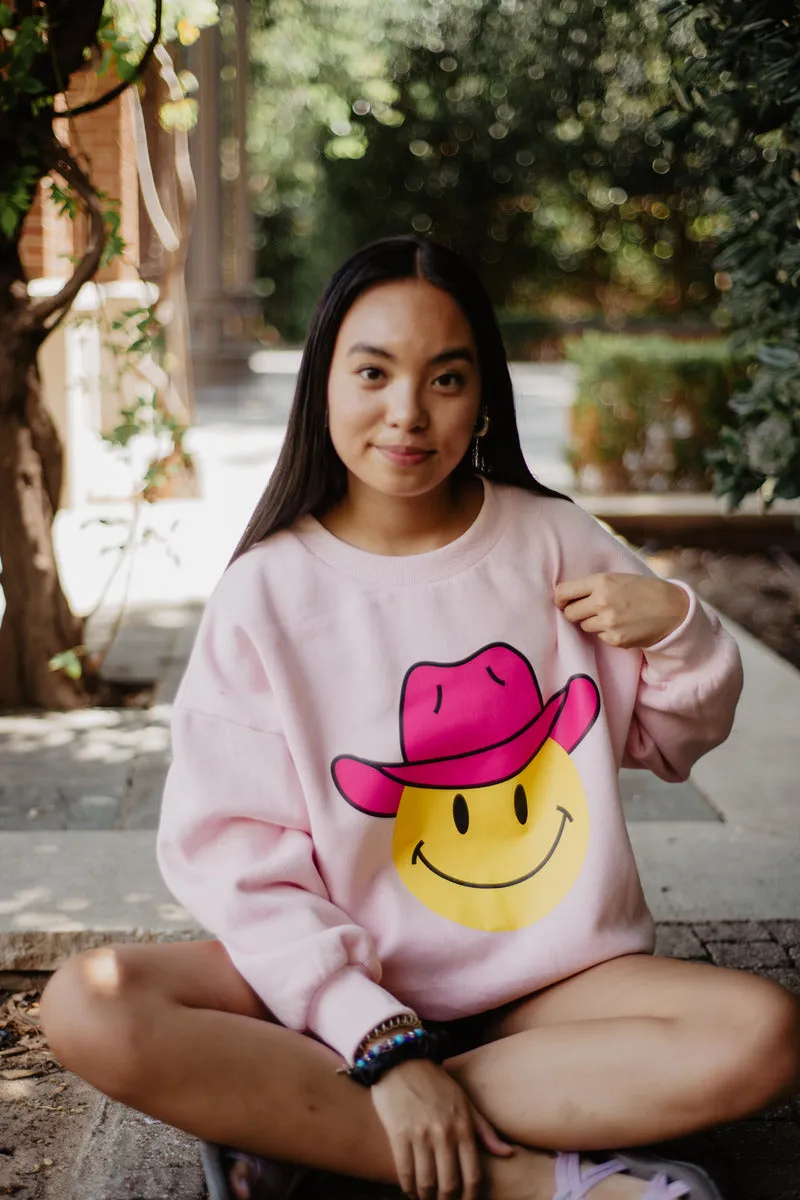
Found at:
[48, 950]
[697, 520]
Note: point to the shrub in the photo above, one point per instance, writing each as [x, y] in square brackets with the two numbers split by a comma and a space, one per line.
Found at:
[741, 90]
[647, 410]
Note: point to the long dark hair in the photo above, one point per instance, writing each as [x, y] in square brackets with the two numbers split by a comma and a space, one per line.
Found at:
[309, 476]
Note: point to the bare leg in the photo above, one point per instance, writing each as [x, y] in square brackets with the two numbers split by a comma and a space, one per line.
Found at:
[631, 1051]
[174, 1031]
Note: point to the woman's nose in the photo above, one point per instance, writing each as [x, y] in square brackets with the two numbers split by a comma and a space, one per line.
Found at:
[404, 407]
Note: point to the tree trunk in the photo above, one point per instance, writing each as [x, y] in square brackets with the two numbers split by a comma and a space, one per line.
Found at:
[37, 622]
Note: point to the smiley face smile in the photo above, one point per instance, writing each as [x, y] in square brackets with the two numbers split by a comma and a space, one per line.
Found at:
[418, 855]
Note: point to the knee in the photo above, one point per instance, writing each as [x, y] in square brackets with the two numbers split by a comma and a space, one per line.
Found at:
[760, 1047]
[92, 1015]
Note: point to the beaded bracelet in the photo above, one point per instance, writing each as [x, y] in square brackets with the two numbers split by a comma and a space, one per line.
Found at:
[405, 1020]
[413, 1043]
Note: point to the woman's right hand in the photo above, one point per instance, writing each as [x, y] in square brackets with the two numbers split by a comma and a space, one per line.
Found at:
[434, 1130]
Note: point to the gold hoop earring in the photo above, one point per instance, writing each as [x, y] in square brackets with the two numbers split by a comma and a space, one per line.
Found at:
[483, 429]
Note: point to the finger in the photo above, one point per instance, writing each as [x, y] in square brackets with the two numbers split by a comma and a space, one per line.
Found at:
[470, 1163]
[574, 589]
[594, 625]
[490, 1138]
[579, 610]
[424, 1171]
[448, 1172]
[403, 1153]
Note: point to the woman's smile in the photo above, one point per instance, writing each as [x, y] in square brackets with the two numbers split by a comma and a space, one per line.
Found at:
[405, 456]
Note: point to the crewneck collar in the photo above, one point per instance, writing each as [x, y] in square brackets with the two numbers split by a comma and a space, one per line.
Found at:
[408, 569]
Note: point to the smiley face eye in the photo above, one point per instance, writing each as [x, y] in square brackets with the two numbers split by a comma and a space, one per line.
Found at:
[520, 804]
[460, 813]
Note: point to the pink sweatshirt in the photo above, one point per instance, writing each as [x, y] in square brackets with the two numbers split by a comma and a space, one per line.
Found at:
[395, 779]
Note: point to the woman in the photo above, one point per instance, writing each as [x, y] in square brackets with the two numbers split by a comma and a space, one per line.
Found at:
[394, 802]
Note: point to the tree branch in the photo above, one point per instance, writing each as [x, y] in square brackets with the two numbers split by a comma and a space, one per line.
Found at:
[59, 160]
[119, 88]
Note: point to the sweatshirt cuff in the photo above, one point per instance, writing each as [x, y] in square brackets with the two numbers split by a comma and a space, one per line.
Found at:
[691, 642]
[679, 630]
[344, 1011]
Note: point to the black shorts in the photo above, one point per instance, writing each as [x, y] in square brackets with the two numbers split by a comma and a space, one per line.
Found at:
[464, 1033]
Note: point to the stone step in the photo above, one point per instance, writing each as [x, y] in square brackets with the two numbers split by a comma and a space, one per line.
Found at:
[124, 1154]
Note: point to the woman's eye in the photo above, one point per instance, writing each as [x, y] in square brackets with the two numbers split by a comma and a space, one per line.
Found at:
[363, 369]
[457, 378]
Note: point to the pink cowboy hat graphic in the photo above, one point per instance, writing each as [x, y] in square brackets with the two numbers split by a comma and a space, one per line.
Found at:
[468, 724]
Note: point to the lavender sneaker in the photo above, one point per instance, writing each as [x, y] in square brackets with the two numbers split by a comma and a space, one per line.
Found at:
[270, 1180]
[667, 1180]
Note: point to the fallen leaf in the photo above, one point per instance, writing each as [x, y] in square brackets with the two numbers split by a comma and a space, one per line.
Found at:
[21, 1074]
[31, 1043]
[17, 1017]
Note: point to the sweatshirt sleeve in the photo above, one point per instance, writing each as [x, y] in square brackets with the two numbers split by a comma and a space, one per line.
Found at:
[689, 686]
[689, 682]
[234, 843]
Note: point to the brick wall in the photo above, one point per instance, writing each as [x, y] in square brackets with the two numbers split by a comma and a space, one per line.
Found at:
[104, 144]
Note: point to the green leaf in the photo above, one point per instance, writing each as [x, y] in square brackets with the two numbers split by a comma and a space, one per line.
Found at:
[155, 475]
[782, 358]
[105, 61]
[123, 434]
[30, 85]
[9, 219]
[126, 69]
[745, 403]
[68, 662]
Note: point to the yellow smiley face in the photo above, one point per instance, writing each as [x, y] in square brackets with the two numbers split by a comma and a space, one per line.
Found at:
[497, 857]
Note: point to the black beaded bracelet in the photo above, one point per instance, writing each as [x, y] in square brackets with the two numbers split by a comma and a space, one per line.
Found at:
[415, 1043]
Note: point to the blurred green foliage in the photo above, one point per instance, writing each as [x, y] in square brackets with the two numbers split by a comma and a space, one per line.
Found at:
[519, 131]
[647, 410]
[740, 90]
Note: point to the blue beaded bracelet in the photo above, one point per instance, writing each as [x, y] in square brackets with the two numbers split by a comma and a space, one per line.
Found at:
[399, 1039]
[413, 1043]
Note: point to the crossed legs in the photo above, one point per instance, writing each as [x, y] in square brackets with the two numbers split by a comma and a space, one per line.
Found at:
[632, 1051]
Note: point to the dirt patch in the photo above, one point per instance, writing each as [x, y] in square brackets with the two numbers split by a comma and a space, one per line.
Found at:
[43, 1107]
[759, 591]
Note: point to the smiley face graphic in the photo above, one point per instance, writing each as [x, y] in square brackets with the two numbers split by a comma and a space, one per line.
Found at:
[500, 856]
[491, 818]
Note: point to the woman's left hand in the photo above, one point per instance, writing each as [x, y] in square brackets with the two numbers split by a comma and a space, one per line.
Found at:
[623, 609]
